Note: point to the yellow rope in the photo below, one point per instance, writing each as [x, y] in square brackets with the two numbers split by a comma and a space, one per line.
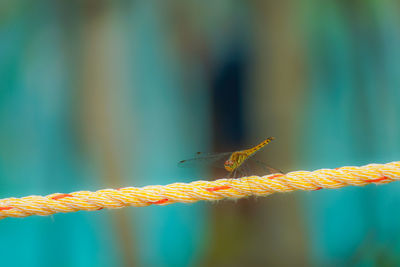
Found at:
[199, 190]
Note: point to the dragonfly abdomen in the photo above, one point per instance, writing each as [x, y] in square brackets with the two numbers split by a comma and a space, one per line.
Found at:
[259, 146]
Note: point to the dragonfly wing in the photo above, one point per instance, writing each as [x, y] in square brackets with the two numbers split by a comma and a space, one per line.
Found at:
[255, 167]
[205, 159]
[266, 167]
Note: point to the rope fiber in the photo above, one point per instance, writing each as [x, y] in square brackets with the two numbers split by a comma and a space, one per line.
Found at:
[200, 190]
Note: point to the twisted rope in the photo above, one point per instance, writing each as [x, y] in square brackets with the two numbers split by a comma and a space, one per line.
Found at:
[200, 190]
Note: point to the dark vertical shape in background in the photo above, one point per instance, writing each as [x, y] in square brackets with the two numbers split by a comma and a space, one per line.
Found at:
[227, 85]
[230, 220]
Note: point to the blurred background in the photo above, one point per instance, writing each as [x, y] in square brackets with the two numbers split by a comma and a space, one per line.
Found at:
[97, 94]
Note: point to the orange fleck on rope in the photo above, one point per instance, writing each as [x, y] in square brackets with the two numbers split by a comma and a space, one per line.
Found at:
[316, 189]
[274, 176]
[200, 190]
[222, 187]
[61, 196]
[158, 202]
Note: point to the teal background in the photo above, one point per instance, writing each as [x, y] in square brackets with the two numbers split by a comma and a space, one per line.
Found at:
[106, 94]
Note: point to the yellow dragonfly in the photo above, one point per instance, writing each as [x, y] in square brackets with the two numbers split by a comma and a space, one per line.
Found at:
[234, 162]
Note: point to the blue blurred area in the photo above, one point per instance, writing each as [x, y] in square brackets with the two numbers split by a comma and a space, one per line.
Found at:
[353, 119]
[97, 94]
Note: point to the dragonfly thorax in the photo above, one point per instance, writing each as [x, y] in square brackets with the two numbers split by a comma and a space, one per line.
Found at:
[235, 160]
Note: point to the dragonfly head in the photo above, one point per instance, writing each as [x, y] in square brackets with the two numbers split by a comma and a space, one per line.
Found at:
[229, 165]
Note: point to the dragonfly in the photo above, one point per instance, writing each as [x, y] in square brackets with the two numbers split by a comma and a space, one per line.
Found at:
[234, 162]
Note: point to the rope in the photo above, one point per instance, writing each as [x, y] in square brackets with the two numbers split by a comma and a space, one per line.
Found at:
[200, 190]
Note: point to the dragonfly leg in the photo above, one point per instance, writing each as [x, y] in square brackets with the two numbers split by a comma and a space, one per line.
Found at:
[247, 172]
[231, 176]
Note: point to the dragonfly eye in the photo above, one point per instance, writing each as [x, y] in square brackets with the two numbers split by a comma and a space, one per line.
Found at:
[228, 162]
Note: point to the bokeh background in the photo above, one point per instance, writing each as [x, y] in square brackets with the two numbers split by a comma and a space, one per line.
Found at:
[97, 94]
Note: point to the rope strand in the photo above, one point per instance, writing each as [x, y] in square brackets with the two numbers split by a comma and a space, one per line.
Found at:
[200, 190]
